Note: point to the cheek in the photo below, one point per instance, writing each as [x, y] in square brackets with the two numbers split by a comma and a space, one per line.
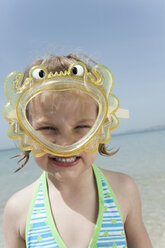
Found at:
[90, 157]
[41, 161]
[93, 156]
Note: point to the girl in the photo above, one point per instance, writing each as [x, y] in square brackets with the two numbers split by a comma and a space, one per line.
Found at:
[63, 110]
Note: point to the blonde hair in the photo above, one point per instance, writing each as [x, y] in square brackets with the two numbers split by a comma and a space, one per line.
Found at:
[54, 64]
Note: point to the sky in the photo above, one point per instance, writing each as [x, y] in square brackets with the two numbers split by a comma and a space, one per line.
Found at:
[127, 36]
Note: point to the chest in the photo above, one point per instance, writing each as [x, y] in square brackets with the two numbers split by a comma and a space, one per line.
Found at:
[75, 228]
[96, 224]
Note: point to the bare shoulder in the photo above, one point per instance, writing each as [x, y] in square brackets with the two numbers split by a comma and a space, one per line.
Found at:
[15, 215]
[120, 180]
[128, 197]
[124, 188]
[121, 183]
[20, 199]
[118, 177]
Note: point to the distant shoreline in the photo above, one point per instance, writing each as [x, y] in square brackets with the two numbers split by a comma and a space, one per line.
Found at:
[147, 130]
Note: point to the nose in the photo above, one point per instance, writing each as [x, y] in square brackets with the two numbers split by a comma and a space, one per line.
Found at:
[65, 140]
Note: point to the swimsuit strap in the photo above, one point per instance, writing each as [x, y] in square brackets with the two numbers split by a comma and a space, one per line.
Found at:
[112, 232]
[38, 229]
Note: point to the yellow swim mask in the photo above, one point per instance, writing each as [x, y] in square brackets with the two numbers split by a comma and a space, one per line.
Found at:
[63, 113]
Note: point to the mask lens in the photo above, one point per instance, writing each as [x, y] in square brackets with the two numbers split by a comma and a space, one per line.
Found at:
[62, 118]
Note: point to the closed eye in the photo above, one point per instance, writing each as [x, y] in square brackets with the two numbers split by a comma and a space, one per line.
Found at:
[47, 128]
[83, 126]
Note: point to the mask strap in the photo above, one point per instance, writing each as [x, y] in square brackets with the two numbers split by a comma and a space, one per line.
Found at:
[122, 113]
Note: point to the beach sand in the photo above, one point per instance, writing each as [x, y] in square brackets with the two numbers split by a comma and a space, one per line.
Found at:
[152, 191]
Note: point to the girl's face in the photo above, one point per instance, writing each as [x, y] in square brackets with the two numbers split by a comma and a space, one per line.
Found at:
[63, 118]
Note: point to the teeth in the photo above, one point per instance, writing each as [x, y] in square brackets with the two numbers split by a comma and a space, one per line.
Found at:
[66, 160]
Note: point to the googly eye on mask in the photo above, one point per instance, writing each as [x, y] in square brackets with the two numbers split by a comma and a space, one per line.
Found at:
[62, 113]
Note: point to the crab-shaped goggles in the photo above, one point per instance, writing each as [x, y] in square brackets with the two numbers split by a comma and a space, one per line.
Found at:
[63, 113]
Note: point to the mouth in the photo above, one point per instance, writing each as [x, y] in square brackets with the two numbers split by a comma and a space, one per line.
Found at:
[65, 161]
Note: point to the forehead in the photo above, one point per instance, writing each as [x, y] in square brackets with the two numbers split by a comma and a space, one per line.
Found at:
[71, 100]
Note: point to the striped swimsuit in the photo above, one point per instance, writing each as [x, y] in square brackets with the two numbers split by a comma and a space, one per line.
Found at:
[41, 230]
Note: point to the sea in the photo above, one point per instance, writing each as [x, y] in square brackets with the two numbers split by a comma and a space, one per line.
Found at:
[141, 155]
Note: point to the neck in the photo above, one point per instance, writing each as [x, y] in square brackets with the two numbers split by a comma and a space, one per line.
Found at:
[84, 181]
[76, 194]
